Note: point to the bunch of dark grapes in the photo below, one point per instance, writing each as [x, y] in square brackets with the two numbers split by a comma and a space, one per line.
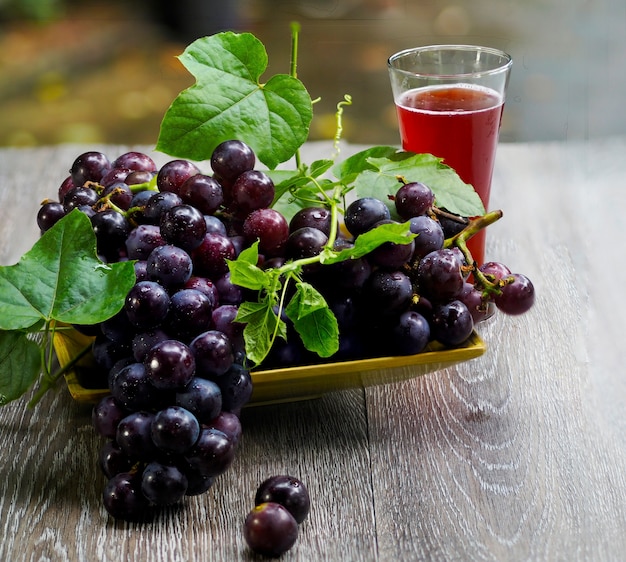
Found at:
[399, 298]
[174, 359]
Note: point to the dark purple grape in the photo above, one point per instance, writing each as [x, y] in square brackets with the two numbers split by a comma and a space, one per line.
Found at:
[202, 397]
[79, 196]
[229, 424]
[452, 224]
[388, 292]
[134, 436]
[214, 225]
[346, 308]
[228, 292]
[347, 274]
[190, 313]
[174, 174]
[183, 226]
[270, 530]
[89, 166]
[88, 211]
[465, 269]
[212, 453]
[517, 296]
[117, 367]
[206, 286]
[439, 275]
[210, 257]
[414, 199]
[411, 333]
[147, 305]
[132, 388]
[106, 415]
[111, 229]
[120, 194]
[495, 269]
[429, 236]
[136, 161]
[317, 217]
[137, 177]
[232, 158]
[112, 460]
[390, 254]
[451, 323]
[287, 491]
[269, 227]
[213, 353]
[123, 499]
[158, 203]
[236, 387]
[163, 484]
[175, 429]
[114, 175]
[479, 308]
[197, 483]
[305, 242]
[252, 190]
[48, 215]
[363, 214]
[202, 192]
[141, 271]
[65, 186]
[106, 352]
[170, 365]
[169, 265]
[140, 200]
[239, 243]
[118, 328]
[142, 240]
[144, 341]
[223, 320]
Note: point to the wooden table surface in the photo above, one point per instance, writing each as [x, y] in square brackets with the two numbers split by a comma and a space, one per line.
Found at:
[517, 455]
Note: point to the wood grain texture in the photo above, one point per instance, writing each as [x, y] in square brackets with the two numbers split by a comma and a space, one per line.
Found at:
[517, 455]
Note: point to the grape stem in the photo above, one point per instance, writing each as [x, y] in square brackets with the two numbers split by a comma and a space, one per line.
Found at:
[293, 70]
[47, 353]
[475, 225]
[347, 101]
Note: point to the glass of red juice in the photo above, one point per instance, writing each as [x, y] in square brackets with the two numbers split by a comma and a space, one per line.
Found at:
[449, 101]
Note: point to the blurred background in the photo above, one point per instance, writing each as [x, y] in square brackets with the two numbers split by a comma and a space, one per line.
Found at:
[92, 71]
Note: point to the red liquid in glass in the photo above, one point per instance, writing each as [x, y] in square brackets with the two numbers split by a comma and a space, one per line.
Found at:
[459, 124]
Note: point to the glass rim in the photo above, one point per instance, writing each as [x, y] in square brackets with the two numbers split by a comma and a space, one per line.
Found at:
[506, 64]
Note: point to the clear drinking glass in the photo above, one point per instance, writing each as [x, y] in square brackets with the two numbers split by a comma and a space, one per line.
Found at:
[449, 100]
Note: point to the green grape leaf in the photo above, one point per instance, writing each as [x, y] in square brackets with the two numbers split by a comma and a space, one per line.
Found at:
[261, 323]
[60, 278]
[313, 320]
[244, 271]
[364, 243]
[20, 361]
[376, 172]
[319, 167]
[348, 169]
[228, 101]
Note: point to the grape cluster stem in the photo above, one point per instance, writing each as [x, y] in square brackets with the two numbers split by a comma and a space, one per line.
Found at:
[488, 285]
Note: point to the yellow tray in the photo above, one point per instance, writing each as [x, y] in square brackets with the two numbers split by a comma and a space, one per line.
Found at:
[299, 383]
